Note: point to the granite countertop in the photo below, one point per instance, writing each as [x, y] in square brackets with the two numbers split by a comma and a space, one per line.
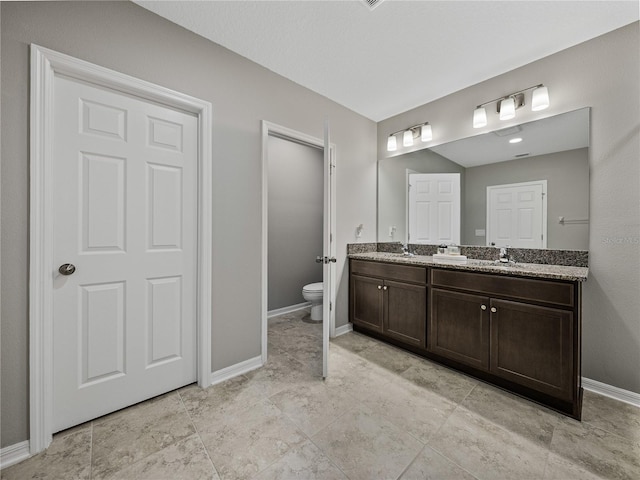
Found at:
[558, 272]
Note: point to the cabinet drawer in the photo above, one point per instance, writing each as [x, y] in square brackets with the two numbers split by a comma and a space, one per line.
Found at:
[546, 291]
[391, 271]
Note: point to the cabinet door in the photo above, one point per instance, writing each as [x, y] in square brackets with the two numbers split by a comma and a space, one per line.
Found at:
[459, 327]
[533, 346]
[405, 312]
[366, 302]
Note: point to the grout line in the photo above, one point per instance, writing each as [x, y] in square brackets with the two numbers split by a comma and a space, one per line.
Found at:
[198, 434]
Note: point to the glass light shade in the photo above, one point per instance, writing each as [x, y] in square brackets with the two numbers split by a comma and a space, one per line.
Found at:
[426, 134]
[407, 138]
[392, 144]
[540, 99]
[507, 108]
[479, 117]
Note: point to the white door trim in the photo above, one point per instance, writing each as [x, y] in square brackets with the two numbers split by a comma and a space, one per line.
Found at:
[45, 64]
[272, 128]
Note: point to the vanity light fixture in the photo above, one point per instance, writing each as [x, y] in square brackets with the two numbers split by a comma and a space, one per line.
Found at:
[506, 106]
[392, 144]
[422, 130]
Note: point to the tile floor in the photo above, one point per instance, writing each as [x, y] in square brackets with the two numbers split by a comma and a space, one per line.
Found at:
[381, 414]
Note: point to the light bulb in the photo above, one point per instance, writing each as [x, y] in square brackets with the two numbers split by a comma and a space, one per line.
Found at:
[392, 144]
[407, 138]
[540, 99]
[479, 117]
[426, 134]
[507, 108]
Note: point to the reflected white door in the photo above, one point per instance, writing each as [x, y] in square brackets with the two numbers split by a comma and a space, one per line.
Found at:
[125, 186]
[434, 208]
[517, 215]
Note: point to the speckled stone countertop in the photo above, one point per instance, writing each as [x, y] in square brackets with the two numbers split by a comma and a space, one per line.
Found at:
[558, 272]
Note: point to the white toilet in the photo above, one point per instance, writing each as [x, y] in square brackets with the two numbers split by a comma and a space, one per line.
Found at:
[313, 293]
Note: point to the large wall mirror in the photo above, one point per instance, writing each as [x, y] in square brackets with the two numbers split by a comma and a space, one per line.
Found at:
[525, 186]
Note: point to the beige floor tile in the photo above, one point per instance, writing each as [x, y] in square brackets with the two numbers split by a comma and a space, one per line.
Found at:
[389, 358]
[304, 462]
[130, 435]
[513, 413]
[596, 451]
[430, 465]
[210, 406]
[280, 372]
[559, 468]
[305, 348]
[365, 446]
[441, 380]
[68, 457]
[611, 415]
[312, 407]
[353, 342]
[412, 409]
[486, 450]
[251, 441]
[184, 460]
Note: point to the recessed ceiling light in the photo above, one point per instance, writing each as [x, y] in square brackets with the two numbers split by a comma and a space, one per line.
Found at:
[515, 140]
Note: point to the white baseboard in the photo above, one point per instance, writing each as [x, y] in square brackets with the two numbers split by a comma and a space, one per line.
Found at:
[344, 329]
[616, 393]
[14, 453]
[289, 309]
[223, 374]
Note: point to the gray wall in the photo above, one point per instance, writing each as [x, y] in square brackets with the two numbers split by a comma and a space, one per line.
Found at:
[296, 177]
[129, 39]
[567, 175]
[603, 73]
[392, 184]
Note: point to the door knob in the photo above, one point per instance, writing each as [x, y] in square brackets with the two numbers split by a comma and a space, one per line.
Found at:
[67, 269]
[325, 259]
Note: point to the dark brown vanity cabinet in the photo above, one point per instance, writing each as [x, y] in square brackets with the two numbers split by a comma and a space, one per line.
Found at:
[522, 330]
[390, 300]
[521, 333]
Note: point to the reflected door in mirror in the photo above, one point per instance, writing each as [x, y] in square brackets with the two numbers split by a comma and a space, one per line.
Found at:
[434, 208]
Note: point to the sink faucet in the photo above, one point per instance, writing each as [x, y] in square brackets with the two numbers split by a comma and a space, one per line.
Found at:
[504, 254]
[405, 250]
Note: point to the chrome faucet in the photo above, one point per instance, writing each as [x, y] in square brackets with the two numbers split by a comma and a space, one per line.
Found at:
[405, 250]
[504, 254]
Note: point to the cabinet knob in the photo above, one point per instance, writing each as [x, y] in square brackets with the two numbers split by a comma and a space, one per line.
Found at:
[493, 310]
[483, 307]
[385, 287]
[379, 287]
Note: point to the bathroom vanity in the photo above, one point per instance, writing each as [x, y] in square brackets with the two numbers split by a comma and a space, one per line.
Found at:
[515, 326]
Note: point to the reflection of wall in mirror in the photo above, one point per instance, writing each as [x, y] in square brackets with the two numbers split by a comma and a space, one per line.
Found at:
[567, 174]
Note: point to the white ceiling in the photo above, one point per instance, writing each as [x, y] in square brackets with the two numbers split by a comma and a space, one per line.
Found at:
[401, 54]
[559, 133]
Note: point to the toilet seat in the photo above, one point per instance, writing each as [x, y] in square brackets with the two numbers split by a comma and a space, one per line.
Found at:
[313, 288]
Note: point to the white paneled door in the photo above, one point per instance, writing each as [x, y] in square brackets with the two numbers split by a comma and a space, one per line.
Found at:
[434, 208]
[517, 215]
[125, 216]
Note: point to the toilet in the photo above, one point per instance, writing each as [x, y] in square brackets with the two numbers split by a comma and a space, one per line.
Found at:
[313, 293]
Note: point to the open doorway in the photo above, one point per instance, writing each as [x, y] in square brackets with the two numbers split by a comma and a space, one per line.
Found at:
[297, 237]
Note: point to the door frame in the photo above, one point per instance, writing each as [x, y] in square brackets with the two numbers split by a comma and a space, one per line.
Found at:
[45, 65]
[269, 128]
